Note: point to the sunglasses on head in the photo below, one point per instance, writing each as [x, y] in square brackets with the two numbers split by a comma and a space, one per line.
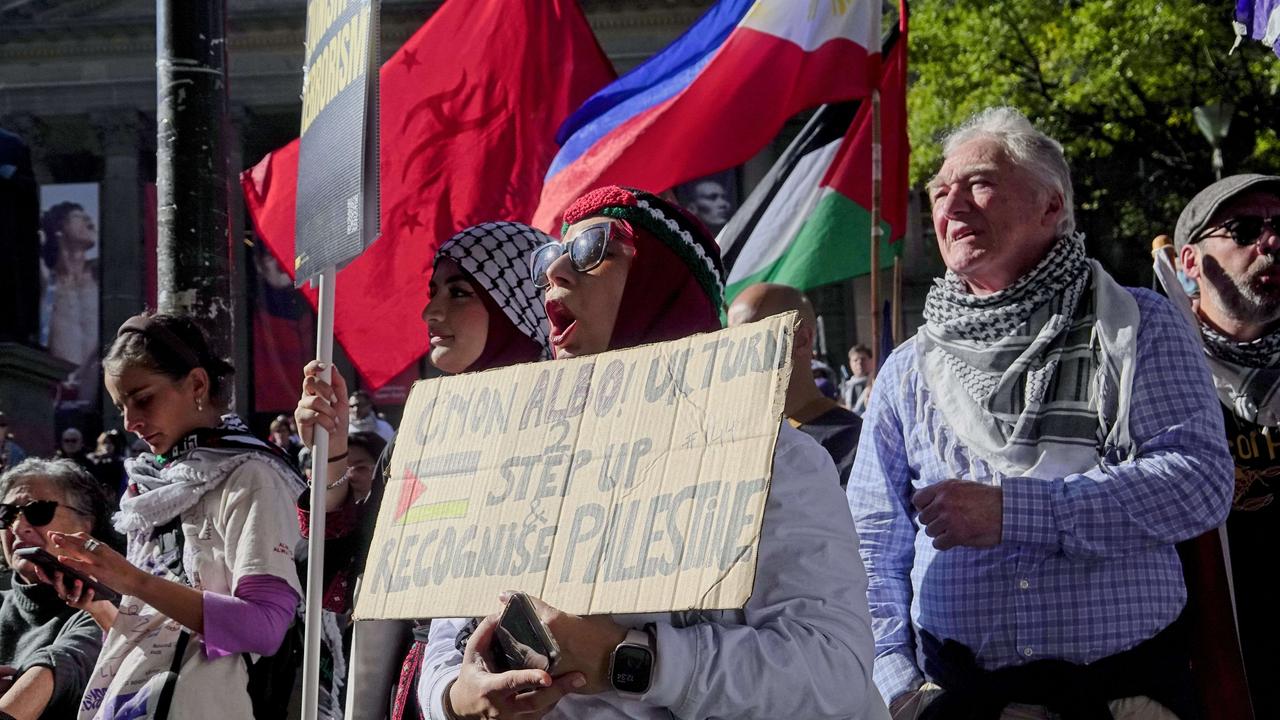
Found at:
[1246, 230]
[37, 512]
[586, 251]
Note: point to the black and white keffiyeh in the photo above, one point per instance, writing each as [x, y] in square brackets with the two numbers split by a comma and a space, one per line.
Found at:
[1246, 374]
[497, 255]
[1026, 377]
[1261, 353]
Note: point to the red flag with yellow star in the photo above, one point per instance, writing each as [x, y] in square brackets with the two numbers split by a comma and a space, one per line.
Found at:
[470, 108]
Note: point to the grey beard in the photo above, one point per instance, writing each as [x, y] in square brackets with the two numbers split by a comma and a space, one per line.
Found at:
[1242, 301]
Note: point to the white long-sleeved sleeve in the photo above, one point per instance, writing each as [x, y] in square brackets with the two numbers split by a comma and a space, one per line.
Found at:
[440, 666]
[806, 649]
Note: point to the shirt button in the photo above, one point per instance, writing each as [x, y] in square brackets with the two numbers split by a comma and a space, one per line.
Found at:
[1027, 651]
[1024, 584]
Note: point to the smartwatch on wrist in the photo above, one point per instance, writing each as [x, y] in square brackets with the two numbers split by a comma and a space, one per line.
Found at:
[632, 664]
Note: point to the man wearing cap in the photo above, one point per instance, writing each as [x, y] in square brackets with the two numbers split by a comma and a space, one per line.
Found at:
[1228, 242]
[1029, 460]
[806, 408]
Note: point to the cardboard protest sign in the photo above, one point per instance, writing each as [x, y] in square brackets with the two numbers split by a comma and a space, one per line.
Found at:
[630, 481]
[337, 199]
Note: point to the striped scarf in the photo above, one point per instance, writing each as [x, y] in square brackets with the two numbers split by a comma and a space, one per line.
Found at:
[1024, 377]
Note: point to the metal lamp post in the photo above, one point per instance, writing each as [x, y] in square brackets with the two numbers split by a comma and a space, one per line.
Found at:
[1214, 121]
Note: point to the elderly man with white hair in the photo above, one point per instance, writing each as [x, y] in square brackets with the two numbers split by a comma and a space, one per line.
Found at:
[1028, 461]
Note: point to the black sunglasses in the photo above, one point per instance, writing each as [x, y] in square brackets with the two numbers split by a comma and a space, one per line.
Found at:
[1246, 230]
[37, 512]
[586, 251]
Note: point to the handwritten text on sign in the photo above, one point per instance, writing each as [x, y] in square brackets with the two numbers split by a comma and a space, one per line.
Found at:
[630, 481]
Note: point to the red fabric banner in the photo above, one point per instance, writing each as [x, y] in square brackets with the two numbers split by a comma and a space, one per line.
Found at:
[469, 111]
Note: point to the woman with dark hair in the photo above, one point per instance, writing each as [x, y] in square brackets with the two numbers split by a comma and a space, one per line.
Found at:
[482, 314]
[632, 268]
[208, 578]
[72, 291]
[47, 649]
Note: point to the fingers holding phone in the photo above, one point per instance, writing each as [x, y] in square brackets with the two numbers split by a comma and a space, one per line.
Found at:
[76, 589]
[96, 559]
[523, 639]
[70, 590]
[583, 643]
[482, 691]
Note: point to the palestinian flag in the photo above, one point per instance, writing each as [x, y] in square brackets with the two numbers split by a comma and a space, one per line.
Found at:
[808, 223]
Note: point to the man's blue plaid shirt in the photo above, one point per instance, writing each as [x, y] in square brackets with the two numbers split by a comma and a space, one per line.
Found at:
[1086, 566]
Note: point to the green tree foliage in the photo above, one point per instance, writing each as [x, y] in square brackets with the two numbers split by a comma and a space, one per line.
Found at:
[1115, 81]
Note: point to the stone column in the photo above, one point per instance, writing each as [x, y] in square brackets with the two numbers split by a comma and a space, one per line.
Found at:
[122, 258]
[19, 231]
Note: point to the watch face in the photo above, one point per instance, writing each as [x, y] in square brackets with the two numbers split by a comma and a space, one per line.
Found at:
[632, 668]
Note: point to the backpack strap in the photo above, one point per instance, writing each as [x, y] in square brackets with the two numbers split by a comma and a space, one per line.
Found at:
[171, 682]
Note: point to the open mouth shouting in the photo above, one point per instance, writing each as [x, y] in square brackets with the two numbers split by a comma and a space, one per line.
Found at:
[563, 323]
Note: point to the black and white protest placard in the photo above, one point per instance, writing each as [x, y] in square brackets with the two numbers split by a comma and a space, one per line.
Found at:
[337, 201]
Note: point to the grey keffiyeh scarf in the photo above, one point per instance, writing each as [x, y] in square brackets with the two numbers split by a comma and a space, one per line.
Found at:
[1246, 375]
[1034, 379]
[162, 487]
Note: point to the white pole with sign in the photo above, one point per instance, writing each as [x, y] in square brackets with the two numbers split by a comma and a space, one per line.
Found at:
[319, 481]
[337, 218]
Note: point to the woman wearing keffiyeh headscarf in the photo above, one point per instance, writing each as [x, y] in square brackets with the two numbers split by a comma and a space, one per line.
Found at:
[208, 578]
[483, 313]
[632, 269]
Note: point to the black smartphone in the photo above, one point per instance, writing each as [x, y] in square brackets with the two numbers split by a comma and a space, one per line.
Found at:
[49, 564]
[524, 642]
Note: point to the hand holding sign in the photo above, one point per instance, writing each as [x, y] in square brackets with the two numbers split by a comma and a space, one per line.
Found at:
[324, 404]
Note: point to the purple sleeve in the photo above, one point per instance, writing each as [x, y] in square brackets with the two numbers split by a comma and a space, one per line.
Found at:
[254, 620]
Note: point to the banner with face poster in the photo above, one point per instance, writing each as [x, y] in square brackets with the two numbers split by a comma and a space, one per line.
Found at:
[712, 199]
[70, 291]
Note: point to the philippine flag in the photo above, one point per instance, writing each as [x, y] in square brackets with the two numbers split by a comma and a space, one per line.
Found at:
[715, 96]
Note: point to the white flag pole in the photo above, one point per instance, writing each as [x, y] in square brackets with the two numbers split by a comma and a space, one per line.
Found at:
[319, 482]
